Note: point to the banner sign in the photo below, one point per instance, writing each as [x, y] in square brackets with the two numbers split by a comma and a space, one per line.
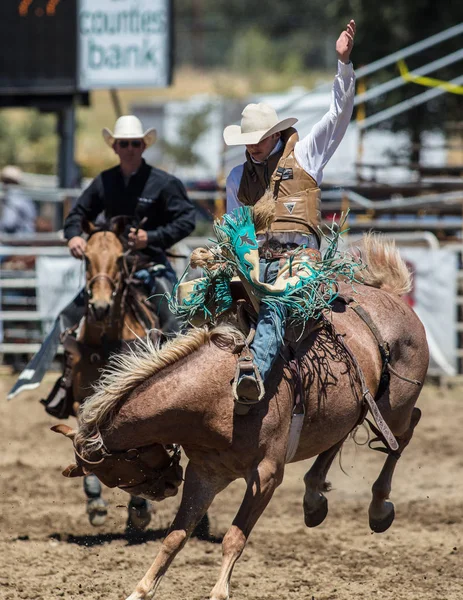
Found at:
[124, 43]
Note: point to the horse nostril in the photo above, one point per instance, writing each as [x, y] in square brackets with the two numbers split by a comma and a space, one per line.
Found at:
[101, 311]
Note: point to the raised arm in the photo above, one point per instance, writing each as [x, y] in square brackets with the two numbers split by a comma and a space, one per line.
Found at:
[315, 150]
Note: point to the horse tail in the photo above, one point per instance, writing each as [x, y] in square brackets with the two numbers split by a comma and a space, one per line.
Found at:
[384, 267]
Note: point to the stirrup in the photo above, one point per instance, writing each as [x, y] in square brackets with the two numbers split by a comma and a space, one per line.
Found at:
[247, 371]
[58, 403]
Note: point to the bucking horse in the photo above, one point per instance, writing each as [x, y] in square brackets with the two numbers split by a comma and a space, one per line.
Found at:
[368, 355]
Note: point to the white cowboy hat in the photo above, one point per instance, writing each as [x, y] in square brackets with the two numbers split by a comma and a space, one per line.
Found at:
[259, 122]
[129, 127]
[10, 173]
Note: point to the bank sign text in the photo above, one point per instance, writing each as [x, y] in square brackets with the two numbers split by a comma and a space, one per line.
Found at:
[124, 43]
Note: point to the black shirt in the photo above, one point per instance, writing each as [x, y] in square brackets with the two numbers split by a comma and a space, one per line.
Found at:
[150, 193]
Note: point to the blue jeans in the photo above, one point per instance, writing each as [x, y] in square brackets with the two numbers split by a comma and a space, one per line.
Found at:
[270, 324]
[149, 277]
[159, 281]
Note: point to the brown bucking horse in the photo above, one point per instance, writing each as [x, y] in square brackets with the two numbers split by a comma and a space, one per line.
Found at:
[369, 345]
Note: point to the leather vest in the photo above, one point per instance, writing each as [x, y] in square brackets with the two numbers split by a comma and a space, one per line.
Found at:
[296, 193]
[256, 177]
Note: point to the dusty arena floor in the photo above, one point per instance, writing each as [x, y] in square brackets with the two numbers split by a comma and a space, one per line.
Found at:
[48, 550]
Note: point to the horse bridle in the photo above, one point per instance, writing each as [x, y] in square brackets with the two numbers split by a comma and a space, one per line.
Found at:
[114, 285]
[153, 475]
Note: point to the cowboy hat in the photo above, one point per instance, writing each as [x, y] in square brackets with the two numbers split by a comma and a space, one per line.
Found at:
[129, 127]
[11, 174]
[259, 121]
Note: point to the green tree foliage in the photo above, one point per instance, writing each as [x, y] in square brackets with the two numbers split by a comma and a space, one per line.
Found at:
[210, 32]
[190, 130]
[28, 141]
[8, 142]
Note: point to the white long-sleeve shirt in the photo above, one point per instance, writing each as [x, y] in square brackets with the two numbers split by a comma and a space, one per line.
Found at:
[315, 150]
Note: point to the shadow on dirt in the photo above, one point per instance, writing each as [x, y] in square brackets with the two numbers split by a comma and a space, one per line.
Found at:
[132, 539]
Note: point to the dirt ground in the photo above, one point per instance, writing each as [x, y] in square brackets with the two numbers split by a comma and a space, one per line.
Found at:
[48, 549]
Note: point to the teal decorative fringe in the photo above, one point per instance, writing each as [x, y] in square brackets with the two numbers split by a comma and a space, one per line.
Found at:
[209, 298]
[304, 300]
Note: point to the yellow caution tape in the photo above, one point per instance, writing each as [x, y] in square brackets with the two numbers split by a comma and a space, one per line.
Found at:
[427, 81]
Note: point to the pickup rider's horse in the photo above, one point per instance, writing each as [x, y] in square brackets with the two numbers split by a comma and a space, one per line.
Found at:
[116, 314]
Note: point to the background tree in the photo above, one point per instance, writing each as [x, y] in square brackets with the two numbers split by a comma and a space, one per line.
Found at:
[191, 129]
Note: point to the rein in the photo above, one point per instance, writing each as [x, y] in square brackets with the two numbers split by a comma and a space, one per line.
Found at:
[123, 283]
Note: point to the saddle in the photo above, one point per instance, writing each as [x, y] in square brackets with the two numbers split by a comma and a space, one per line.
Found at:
[245, 315]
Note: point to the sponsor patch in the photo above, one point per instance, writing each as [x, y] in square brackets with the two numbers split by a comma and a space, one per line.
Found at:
[290, 206]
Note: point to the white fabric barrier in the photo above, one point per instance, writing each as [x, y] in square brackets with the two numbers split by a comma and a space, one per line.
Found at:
[59, 278]
[433, 298]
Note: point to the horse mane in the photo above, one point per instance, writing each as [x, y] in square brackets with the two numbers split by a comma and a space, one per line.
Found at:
[127, 370]
[384, 267]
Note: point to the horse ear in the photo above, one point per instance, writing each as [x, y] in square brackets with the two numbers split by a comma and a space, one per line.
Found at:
[88, 227]
[64, 430]
[73, 471]
[119, 224]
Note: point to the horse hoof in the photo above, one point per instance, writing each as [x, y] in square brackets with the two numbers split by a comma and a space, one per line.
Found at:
[382, 525]
[139, 516]
[315, 517]
[97, 510]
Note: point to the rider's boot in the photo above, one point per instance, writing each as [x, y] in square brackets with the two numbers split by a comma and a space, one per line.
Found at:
[139, 514]
[97, 508]
[59, 401]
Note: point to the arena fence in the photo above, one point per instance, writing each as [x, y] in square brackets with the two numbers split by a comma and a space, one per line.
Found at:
[23, 324]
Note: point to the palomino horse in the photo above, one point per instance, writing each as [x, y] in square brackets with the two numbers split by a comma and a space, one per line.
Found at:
[181, 394]
[116, 315]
